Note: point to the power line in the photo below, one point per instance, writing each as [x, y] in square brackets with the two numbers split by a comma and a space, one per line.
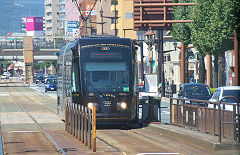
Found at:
[9, 17]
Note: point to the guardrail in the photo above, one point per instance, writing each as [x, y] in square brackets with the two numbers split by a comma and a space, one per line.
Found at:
[215, 120]
[80, 122]
[38, 42]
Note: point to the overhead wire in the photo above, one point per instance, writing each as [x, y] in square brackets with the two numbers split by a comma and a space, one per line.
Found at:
[9, 17]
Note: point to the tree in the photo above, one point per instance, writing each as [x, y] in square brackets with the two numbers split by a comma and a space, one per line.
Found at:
[182, 31]
[214, 20]
[46, 64]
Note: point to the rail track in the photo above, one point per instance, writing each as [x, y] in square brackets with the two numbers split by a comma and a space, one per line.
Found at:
[38, 125]
[110, 140]
[145, 141]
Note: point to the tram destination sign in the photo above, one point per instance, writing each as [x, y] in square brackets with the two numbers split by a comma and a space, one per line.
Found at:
[105, 55]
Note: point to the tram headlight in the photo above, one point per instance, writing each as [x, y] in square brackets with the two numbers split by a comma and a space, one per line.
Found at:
[91, 105]
[121, 105]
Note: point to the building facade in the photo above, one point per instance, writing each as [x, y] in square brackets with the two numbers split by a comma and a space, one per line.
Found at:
[104, 28]
[125, 21]
[52, 18]
[62, 17]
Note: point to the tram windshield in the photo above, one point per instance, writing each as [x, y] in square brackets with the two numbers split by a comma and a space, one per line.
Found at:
[106, 77]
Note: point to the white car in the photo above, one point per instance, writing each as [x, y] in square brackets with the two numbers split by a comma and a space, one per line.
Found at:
[5, 75]
[226, 91]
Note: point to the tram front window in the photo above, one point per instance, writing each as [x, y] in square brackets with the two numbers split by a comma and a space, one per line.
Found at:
[106, 76]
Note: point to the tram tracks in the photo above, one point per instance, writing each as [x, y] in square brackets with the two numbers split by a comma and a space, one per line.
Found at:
[174, 148]
[44, 132]
[2, 149]
[145, 141]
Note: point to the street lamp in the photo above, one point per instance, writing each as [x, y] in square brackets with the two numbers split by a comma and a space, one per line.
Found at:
[149, 40]
[149, 37]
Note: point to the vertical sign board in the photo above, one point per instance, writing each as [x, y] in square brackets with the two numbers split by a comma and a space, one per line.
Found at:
[88, 9]
[34, 24]
[151, 85]
[30, 24]
[38, 23]
[72, 28]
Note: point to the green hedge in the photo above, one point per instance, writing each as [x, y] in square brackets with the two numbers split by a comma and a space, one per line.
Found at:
[213, 90]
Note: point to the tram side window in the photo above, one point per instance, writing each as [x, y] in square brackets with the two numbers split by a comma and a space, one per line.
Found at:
[75, 77]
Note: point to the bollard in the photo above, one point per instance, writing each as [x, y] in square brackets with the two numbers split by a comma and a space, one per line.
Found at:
[76, 121]
[71, 124]
[70, 109]
[94, 128]
[85, 125]
[151, 109]
[159, 111]
[66, 117]
[89, 128]
[82, 124]
[140, 115]
[79, 122]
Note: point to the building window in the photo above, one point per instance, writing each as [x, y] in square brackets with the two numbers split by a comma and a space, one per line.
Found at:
[49, 28]
[49, 13]
[191, 55]
[48, 6]
[169, 58]
[49, 21]
[114, 1]
[128, 15]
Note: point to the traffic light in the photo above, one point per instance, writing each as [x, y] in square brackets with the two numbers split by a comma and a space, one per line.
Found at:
[55, 53]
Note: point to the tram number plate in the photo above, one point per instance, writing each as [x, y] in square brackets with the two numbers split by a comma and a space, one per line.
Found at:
[107, 103]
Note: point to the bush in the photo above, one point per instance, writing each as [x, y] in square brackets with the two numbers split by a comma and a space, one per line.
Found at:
[212, 90]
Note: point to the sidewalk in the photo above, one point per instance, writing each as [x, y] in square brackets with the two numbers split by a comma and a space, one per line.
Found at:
[197, 139]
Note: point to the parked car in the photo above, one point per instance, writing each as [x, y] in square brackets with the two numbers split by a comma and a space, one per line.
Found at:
[39, 79]
[226, 91]
[195, 91]
[5, 75]
[51, 84]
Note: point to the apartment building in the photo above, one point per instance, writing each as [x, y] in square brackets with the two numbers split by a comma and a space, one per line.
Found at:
[125, 21]
[62, 17]
[103, 7]
[52, 18]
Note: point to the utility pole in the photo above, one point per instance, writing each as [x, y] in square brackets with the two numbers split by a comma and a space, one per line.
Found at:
[115, 17]
[83, 17]
[161, 75]
[236, 61]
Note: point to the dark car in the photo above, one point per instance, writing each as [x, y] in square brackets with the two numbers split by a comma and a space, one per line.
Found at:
[195, 91]
[51, 84]
[39, 79]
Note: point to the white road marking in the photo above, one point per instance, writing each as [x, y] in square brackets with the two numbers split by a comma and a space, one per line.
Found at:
[22, 131]
[156, 153]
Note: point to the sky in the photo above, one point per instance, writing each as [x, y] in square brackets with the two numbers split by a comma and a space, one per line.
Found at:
[10, 15]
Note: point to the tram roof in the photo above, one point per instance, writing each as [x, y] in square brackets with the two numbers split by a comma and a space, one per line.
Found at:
[94, 40]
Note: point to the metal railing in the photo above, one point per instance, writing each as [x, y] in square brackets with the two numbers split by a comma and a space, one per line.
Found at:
[196, 114]
[80, 122]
